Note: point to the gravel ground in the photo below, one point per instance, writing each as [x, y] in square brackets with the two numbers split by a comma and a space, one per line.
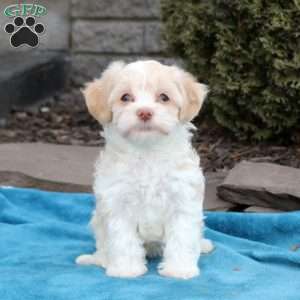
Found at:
[64, 120]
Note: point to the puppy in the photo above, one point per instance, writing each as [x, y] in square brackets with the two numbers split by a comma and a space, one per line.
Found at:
[148, 184]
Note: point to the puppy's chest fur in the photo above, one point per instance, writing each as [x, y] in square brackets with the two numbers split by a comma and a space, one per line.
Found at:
[149, 187]
[153, 192]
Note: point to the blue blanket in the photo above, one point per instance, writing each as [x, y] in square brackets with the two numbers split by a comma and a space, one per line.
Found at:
[41, 233]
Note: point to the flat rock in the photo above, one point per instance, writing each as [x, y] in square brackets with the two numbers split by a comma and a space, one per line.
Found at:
[211, 200]
[18, 179]
[63, 168]
[259, 209]
[70, 169]
[262, 184]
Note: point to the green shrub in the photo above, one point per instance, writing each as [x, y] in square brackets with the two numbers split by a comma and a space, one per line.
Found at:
[248, 51]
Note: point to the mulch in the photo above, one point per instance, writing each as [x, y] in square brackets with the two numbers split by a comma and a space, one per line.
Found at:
[63, 119]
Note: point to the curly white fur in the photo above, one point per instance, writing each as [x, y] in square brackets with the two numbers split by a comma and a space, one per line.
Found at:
[148, 184]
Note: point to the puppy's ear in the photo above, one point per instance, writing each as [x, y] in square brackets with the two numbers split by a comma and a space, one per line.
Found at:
[97, 92]
[194, 94]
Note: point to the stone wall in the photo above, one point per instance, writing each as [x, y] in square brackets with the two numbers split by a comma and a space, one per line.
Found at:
[104, 30]
[96, 32]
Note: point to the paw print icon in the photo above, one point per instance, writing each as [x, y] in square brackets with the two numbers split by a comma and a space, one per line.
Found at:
[24, 31]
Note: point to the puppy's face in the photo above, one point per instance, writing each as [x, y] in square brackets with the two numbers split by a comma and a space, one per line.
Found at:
[144, 98]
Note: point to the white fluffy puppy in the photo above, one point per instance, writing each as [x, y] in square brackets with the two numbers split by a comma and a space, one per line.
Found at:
[148, 183]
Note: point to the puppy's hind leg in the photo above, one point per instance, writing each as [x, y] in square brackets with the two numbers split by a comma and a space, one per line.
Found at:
[206, 246]
[90, 259]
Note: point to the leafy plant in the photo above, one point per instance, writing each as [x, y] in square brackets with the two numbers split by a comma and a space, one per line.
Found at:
[248, 51]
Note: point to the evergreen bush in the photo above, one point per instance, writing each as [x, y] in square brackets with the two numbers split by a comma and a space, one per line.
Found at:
[248, 51]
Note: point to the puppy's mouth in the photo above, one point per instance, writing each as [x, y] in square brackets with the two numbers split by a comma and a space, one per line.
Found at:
[145, 128]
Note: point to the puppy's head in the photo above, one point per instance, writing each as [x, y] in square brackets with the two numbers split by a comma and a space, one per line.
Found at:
[144, 98]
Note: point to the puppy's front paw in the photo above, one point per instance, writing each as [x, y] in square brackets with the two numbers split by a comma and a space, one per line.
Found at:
[180, 272]
[126, 270]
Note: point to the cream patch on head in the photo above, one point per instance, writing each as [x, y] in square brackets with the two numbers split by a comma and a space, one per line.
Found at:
[145, 97]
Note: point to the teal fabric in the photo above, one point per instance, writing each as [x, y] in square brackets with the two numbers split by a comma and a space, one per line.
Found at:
[41, 234]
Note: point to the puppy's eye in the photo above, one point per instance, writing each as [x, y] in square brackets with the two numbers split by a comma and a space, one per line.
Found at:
[126, 98]
[163, 97]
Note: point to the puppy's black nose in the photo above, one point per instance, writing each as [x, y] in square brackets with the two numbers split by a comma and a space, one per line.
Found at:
[144, 114]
